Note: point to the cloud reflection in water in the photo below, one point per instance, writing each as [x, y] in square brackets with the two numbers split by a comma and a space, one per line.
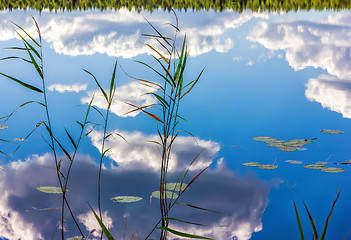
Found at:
[242, 200]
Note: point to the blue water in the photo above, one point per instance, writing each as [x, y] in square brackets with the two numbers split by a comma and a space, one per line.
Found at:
[283, 75]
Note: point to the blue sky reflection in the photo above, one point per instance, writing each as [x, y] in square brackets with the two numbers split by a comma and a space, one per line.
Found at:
[264, 73]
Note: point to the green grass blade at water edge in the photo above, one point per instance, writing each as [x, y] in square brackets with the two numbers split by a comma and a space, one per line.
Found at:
[182, 234]
[102, 225]
[23, 83]
[330, 213]
[299, 222]
[314, 229]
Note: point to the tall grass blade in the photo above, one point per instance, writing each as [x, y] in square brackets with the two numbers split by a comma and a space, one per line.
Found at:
[97, 83]
[13, 57]
[29, 45]
[35, 63]
[71, 139]
[102, 225]
[187, 222]
[161, 75]
[112, 85]
[315, 233]
[23, 83]
[299, 222]
[27, 34]
[160, 54]
[193, 84]
[182, 234]
[199, 208]
[330, 213]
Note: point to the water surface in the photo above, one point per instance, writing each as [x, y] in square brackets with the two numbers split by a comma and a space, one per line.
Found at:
[285, 75]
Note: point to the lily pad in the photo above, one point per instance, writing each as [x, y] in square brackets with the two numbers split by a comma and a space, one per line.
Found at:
[171, 195]
[315, 166]
[333, 170]
[75, 238]
[268, 166]
[19, 139]
[126, 199]
[49, 189]
[276, 143]
[3, 127]
[293, 162]
[330, 131]
[263, 139]
[287, 148]
[252, 164]
[176, 186]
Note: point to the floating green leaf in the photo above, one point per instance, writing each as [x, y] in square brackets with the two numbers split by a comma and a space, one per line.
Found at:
[171, 195]
[252, 164]
[267, 166]
[276, 143]
[126, 199]
[176, 186]
[287, 148]
[330, 131]
[293, 162]
[19, 139]
[333, 170]
[315, 166]
[3, 127]
[76, 238]
[297, 143]
[49, 189]
[263, 139]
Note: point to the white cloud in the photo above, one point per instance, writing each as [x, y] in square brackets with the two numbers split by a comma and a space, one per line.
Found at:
[243, 201]
[133, 93]
[61, 88]
[140, 154]
[90, 223]
[331, 92]
[119, 33]
[323, 44]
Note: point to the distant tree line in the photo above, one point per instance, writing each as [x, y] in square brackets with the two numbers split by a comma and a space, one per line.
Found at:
[219, 5]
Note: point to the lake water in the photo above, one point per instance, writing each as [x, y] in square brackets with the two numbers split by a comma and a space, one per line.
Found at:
[286, 75]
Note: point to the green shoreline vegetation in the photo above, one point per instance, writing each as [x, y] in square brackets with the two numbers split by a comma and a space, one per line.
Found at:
[218, 5]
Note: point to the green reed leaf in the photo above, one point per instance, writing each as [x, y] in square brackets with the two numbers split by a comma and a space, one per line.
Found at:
[299, 222]
[97, 83]
[27, 34]
[22, 83]
[102, 225]
[187, 222]
[315, 233]
[71, 139]
[197, 207]
[29, 45]
[13, 57]
[328, 218]
[193, 83]
[112, 85]
[35, 63]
